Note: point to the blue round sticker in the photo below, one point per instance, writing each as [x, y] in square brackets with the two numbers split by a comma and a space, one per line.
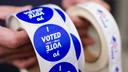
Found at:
[76, 45]
[61, 14]
[36, 15]
[63, 67]
[52, 42]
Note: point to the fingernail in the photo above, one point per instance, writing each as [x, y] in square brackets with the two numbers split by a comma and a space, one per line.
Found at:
[27, 7]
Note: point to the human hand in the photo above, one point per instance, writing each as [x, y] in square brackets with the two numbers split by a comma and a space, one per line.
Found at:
[82, 26]
[87, 40]
[68, 3]
[15, 46]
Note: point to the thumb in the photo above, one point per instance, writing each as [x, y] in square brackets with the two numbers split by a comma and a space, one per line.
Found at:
[22, 8]
[6, 10]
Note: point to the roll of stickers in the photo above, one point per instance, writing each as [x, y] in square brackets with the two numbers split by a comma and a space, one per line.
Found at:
[53, 36]
[105, 26]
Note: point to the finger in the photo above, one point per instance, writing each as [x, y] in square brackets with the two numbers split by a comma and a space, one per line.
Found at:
[81, 1]
[3, 51]
[7, 37]
[88, 56]
[12, 39]
[17, 56]
[77, 21]
[22, 37]
[88, 41]
[82, 26]
[83, 33]
[68, 3]
[25, 63]
[80, 22]
[6, 10]
[22, 8]
[85, 37]
[21, 54]
[7, 51]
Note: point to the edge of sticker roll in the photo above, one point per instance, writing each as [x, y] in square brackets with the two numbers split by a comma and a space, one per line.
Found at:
[108, 32]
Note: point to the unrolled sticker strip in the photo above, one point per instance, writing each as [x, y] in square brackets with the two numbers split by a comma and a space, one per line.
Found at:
[52, 38]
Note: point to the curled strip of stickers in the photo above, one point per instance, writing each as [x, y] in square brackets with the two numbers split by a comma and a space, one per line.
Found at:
[53, 38]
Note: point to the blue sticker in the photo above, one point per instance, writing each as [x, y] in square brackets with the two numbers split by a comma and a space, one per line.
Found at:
[63, 67]
[76, 45]
[61, 14]
[116, 69]
[79, 70]
[52, 42]
[114, 49]
[36, 15]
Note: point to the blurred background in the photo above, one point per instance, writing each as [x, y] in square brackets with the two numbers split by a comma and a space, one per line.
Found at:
[121, 14]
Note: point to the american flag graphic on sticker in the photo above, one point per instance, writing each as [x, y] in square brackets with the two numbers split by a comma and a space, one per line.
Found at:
[114, 42]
